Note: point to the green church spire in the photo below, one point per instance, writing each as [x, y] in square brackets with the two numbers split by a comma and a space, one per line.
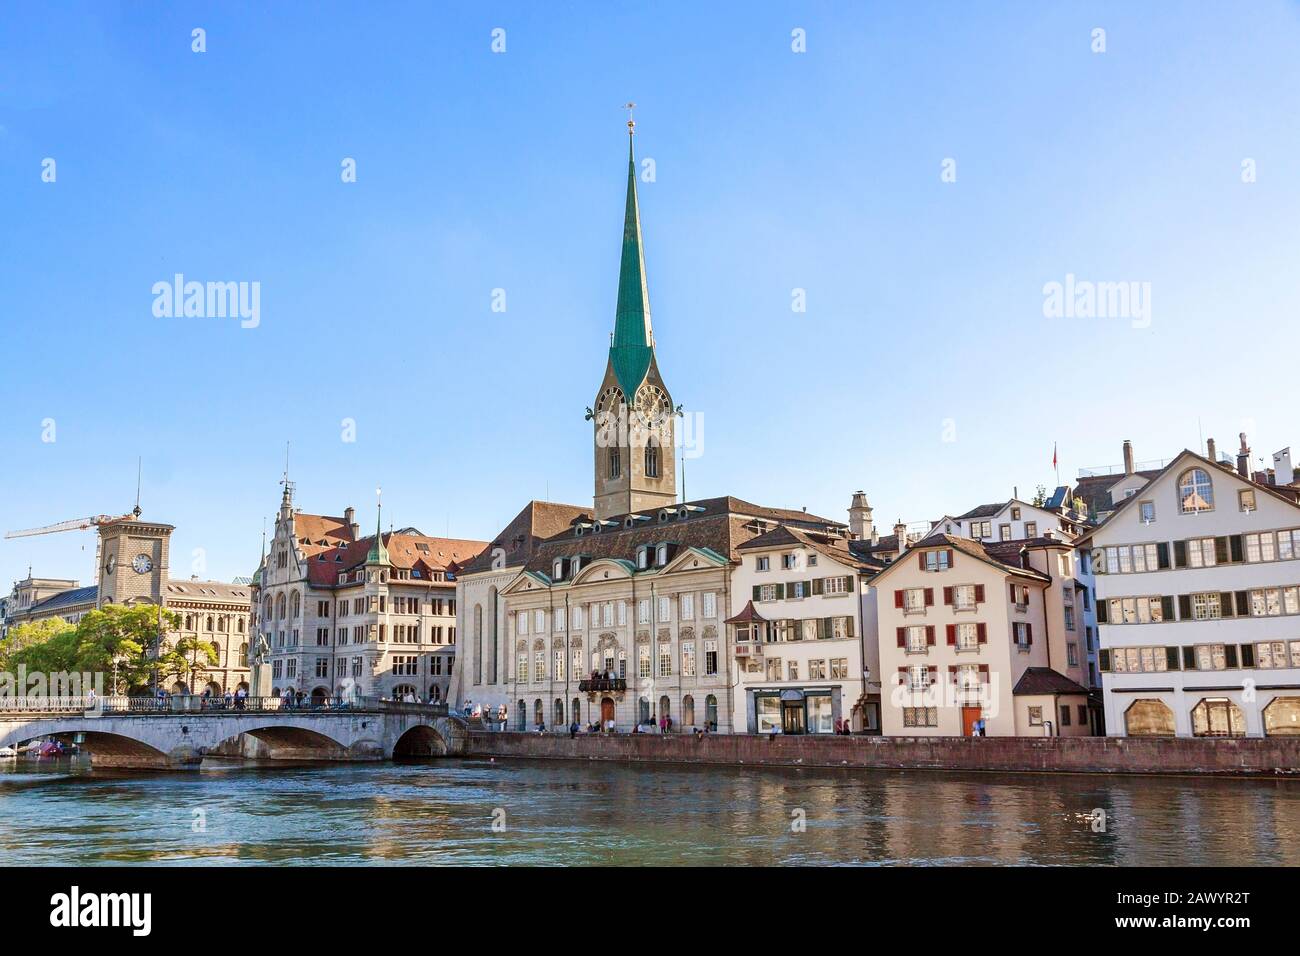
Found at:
[632, 346]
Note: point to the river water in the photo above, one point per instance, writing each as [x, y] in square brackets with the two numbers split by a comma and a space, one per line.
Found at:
[578, 813]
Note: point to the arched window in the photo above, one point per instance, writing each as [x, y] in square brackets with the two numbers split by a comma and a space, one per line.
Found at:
[210, 627]
[615, 463]
[1282, 717]
[279, 607]
[243, 655]
[711, 712]
[688, 711]
[435, 693]
[577, 710]
[297, 604]
[665, 707]
[643, 713]
[478, 643]
[269, 608]
[239, 625]
[559, 714]
[522, 715]
[1148, 717]
[1195, 491]
[189, 622]
[221, 623]
[539, 716]
[493, 611]
[652, 457]
[401, 691]
[1217, 717]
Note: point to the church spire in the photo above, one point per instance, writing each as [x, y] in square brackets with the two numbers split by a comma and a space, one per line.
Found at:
[632, 345]
[378, 553]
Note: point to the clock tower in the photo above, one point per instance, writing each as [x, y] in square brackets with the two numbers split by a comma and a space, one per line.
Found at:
[635, 421]
[133, 561]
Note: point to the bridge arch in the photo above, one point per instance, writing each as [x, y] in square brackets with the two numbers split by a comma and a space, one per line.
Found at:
[422, 740]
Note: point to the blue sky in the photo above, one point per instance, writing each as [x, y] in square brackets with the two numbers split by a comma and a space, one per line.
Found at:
[775, 170]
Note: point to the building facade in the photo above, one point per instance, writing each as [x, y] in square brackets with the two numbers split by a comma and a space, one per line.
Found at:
[969, 633]
[1198, 599]
[342, 615]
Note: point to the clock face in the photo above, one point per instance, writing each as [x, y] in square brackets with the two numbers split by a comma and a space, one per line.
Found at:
[111, 566]
[142, 564]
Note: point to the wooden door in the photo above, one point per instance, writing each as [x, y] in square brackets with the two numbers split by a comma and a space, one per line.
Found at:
[968, 717]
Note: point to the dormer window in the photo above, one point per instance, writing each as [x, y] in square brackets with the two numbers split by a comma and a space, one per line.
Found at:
[661, 555]
[557, 569]
[683, 513]
[643, 557]
[664, 515]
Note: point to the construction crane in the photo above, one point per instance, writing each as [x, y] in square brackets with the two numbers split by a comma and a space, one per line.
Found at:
[76, 524]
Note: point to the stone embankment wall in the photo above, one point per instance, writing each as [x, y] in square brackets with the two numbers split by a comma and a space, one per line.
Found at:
[1245, 756]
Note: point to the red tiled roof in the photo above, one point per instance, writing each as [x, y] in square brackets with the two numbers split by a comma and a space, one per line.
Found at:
[405, 551]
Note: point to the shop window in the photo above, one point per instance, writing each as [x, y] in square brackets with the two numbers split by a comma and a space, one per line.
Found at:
[1218, 717]
[1148, 718]
[1282, 717]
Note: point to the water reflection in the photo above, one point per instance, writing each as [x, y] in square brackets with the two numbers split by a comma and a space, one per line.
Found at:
[442, 812]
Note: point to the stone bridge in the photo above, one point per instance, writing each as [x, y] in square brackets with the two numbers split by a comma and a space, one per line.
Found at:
[179, 740]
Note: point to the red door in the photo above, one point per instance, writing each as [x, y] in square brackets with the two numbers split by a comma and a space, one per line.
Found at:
[968, 717]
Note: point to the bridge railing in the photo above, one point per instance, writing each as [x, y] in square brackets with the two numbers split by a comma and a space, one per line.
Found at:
[121, 704]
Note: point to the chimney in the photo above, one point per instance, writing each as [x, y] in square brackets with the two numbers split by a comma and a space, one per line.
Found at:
[1211, 451]
[900, 530]
[1243, 457]
[1128, 457]
[860, 526]
[1282, 466]
[350, 519]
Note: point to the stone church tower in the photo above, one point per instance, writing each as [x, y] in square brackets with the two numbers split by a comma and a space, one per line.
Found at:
[133, 558]
[634, 417]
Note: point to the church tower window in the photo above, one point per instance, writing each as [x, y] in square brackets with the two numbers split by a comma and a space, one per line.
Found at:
[651, 459]
[615, 464]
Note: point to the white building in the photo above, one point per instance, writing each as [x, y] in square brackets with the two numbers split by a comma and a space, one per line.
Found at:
[1198, 590]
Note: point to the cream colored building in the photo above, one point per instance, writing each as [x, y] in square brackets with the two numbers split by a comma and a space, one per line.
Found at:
[974, 631]
[806, 653]
[341, 614]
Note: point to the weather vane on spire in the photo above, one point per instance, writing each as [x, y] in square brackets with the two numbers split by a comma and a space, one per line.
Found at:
[631, 123]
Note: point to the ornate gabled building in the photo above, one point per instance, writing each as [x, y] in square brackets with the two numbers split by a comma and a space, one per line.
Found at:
[338, 614]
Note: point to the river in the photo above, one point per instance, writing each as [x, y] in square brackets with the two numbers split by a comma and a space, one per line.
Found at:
[535, 812]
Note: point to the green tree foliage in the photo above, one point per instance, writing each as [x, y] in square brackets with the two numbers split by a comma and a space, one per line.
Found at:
[28, 635]
[116, 641]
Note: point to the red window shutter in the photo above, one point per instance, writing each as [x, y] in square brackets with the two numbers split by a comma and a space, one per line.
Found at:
[929, 635]
[979, 594]
[1013, 593]
[984, 672]
[1029, 634]
[929, 597]
[934, 674]
[902, 636]
[982, 631]
[950, 632]
[947, 595]
[921, 559]
[898, 599]
[950, 557]
[952, 672]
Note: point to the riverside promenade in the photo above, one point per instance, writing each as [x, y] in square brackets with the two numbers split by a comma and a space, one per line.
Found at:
[1219, 756]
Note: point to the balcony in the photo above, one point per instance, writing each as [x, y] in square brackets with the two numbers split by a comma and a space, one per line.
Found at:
[596, 685]
[749, 649]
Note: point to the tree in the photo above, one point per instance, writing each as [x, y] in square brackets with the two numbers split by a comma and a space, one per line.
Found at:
[187, 658]
[28, 635]
[1040, 496]
[125, 637]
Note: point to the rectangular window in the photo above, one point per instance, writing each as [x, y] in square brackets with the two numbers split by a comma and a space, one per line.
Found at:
[665, 661]
[837, 585]
[1246, 499]
[839, 668]
[1031, 529]
[1146, 511]
[621, 607]
[688, 658]
[521, 623]
[710, 658]
[643, 661]
[578, 618]
[559, 617]
[559, 665]
[521, 668]
[539, 661]
[968, 636]
[1200, 553]
[794, 670]
[816, 670]
[1211, 657]
[643, 611]
[665, 610]
[916, 642]
[1206, 606]
[539, 621]
[920, 717]
[710, 604]
[914, 599]
[687, 602]
[761, 563]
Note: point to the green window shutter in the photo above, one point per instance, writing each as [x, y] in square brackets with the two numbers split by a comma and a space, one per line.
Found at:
[1180, 554]
[780, 592]
[1221, 550]
[1230, 654]
[1184, 607]
[1171, 658]
[1102, 607]
[1104, 660]
[1243, 603]
[757, 591]
[1189, 658]
[818, 586]
[1167, 607]
[1162, 555]
[1238, 548]
[1247, 655]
